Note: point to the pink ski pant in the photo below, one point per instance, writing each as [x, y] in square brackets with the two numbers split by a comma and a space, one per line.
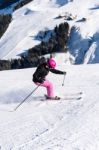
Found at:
[49, 86]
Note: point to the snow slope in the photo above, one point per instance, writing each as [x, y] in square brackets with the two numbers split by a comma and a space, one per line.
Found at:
[28, 21]
[55, 125]
[51, 125]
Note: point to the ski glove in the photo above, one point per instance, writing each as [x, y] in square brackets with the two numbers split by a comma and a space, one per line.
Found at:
[37, 79]
[64, 73]
[41, 80]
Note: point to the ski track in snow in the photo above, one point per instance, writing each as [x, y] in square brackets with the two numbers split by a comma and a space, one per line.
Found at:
[53, 128]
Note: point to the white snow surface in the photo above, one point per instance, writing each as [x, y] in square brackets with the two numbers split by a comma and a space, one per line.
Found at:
[54, 125]
[51, 125]
[39, 15]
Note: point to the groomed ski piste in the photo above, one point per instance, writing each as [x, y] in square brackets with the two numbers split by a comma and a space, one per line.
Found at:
[55, 125]
[51, 125]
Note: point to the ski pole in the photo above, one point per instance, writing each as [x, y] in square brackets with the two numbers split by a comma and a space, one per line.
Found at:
[26, 98]
[63, 79]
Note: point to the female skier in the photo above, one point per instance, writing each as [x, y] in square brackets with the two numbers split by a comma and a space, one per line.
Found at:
[39, 77]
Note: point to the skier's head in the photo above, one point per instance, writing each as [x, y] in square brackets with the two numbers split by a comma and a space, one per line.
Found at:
[51, 63]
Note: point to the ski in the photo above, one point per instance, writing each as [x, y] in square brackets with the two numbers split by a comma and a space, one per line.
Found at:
[63, 98]
[71, 98]
[74, 94]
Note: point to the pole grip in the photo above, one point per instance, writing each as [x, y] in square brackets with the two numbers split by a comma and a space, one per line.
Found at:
[63, 79]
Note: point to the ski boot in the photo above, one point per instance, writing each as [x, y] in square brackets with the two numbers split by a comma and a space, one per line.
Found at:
[52, 98]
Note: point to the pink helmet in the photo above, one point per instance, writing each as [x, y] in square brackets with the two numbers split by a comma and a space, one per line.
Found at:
[51, 63]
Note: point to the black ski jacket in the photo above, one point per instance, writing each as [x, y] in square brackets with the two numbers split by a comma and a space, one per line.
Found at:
[42, 71]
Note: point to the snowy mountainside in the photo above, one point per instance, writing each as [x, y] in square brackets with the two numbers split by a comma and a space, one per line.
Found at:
[28, 21]
[56, 125]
